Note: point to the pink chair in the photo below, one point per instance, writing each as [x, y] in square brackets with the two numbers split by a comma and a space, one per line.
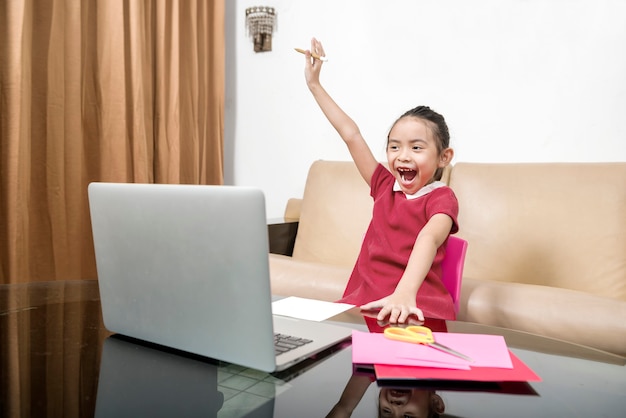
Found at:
[452, 268]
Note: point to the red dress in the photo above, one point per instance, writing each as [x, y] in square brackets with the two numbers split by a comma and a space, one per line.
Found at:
[395, 224]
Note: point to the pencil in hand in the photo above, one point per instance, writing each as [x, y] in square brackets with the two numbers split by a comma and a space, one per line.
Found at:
[317, 57]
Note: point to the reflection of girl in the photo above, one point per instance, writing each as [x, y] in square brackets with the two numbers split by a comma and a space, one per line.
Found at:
[409, 403]
[351, 396]
[417, 403]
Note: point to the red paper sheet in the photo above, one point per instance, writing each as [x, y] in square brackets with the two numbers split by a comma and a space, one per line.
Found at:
[519, 373]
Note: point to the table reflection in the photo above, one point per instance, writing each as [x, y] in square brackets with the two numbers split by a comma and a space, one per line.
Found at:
[50, 335]
[140, 380]
[58, 360]
[56, 355]
[392, 402]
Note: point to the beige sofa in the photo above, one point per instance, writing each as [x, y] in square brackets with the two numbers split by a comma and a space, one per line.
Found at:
[547, 245]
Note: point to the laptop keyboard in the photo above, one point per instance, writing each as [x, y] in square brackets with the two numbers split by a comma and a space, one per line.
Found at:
[284, 343]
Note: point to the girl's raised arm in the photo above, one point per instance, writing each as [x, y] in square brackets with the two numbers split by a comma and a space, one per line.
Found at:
[343, 124]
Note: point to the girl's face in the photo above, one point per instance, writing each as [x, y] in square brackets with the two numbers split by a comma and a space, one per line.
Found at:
[412, 154]
[404, 403]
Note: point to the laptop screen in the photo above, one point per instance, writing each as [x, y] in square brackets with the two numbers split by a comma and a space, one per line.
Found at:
[186, 266]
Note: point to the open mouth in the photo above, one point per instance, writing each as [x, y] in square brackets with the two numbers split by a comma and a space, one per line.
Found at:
[407, 175]
[399, 392]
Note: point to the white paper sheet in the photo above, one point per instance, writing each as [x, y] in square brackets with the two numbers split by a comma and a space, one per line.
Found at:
[310, 309]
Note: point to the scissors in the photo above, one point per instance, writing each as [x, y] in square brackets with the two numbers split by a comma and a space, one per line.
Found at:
[420, 335]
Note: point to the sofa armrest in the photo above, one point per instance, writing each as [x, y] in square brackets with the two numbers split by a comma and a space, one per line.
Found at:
[565, 314]
[293, 208]
[282, 235]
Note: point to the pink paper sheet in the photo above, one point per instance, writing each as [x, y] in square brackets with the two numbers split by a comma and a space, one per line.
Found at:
[485, 351]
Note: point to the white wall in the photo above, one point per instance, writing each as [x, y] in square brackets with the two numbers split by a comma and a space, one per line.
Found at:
[517, 80]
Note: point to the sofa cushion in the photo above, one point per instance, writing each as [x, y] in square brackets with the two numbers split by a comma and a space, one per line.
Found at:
[291, 277]
[336, 210]
[552, 224]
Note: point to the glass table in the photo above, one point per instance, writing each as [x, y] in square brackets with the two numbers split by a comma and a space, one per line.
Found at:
[58, 360]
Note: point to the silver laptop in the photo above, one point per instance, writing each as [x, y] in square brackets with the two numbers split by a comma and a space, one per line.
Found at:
[187, 267]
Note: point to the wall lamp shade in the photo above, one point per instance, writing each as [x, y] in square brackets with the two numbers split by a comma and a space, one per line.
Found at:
[260, 23]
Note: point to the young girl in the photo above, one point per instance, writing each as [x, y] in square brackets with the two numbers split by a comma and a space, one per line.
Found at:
[399, 267]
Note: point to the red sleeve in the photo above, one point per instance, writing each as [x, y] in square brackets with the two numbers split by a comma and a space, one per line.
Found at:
[443, 200]
[382, 180]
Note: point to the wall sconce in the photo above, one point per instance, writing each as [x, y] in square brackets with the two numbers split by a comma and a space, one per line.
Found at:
[260, 22]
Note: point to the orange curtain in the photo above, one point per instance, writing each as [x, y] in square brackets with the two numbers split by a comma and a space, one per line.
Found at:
[124, 91]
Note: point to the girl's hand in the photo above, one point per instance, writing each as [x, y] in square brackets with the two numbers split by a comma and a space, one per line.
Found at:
[398, 306]
[313, 66]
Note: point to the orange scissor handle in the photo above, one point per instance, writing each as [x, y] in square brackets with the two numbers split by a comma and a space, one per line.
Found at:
[413, 334]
